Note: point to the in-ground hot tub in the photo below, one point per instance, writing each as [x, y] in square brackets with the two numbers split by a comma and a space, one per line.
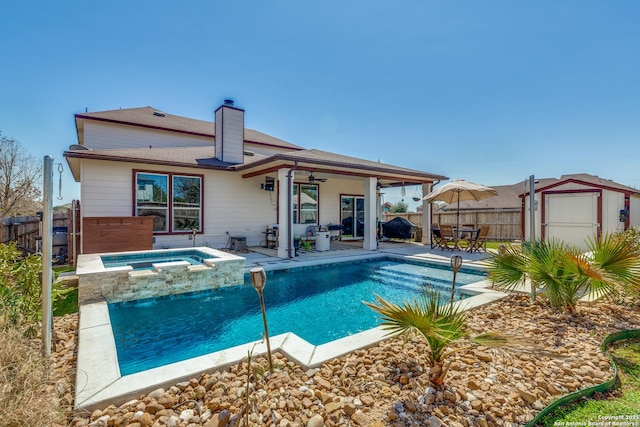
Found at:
[128, 276]
[148, 259]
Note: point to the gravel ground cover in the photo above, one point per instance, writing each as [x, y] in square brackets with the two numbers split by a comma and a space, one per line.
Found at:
[385, 385]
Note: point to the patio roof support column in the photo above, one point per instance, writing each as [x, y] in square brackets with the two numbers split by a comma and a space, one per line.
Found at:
[370, 210]
[285, 195]
[426, 215]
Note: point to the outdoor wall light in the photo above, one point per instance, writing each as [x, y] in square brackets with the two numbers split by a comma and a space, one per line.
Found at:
[258, 281]
[456, 263]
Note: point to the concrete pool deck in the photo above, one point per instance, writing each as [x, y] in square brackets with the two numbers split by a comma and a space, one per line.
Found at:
[98, 380]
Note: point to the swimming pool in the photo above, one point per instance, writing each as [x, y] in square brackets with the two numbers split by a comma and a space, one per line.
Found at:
[145, 260]
[319, 304]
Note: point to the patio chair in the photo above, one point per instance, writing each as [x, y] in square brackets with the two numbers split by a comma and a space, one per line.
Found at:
[449, 239]
[480, 240]
[436, 237]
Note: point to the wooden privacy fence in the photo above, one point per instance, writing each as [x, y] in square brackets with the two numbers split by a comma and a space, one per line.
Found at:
[25, 230]
[505, 223]
[101, 234]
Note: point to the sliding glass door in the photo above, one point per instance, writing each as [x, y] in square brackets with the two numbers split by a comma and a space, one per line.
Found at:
[352, 217]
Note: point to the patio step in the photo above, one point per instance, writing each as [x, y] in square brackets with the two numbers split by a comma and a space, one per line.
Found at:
[410, 281]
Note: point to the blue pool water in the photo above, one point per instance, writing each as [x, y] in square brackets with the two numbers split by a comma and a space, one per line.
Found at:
[146, 260]
[319, 304]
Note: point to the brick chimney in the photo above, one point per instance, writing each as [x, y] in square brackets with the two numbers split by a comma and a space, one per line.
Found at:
[230, 133]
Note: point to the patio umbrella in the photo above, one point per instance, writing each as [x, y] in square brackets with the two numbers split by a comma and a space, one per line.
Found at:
[458, 190]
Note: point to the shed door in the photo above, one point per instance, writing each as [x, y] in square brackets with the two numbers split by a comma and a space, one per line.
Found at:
[572, 217]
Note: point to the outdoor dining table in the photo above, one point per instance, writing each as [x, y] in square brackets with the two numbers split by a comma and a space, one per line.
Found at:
[473, 233]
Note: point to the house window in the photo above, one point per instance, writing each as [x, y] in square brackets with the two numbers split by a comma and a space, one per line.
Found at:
[186, 203]
[174, 201]
[305, 207]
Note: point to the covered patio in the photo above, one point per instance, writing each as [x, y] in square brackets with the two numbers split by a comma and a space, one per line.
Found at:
[315, 188]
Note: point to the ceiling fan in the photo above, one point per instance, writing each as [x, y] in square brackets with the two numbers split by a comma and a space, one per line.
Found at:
[313, 179]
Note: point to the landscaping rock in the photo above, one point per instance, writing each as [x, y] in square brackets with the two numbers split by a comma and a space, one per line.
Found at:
[385, 385]
[156, 394]
[316, 421]
[360, 419]
[526, 395]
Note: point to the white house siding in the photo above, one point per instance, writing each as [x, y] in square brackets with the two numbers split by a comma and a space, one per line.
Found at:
[231, 204]
[250, 214]
[330, 192]
[100, 135]
[106, 188]
[238, 206]
[258, 208]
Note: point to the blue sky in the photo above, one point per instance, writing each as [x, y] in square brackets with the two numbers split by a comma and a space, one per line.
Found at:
[489, 91]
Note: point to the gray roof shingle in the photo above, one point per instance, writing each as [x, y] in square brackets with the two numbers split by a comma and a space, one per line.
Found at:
[156, 119]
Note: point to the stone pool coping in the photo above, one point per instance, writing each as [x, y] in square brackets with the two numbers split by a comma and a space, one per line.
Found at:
[98, 380]
[92, 263]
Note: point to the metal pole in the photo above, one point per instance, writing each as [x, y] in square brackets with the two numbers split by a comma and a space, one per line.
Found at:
[266, 330]
[47, 239]
[258, 281]
[456, 263]
[532, 223]
[289, 213]
[532, 211]
[74, 206]
[458, 217]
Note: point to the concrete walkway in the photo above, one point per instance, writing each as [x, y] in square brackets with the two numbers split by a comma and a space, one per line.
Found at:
[341, 251]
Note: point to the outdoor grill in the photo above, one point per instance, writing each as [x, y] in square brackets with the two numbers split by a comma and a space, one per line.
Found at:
[398, 228]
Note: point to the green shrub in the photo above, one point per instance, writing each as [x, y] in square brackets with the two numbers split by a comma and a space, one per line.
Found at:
[442, 325]
[565, 274]
[20, 289]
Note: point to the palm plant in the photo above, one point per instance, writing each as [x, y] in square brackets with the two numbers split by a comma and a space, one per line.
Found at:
[617, 258]
[566, 274]
[440, 324]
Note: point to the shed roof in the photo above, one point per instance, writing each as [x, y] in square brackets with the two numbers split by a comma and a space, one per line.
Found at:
[509, 196]
[587, 179]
